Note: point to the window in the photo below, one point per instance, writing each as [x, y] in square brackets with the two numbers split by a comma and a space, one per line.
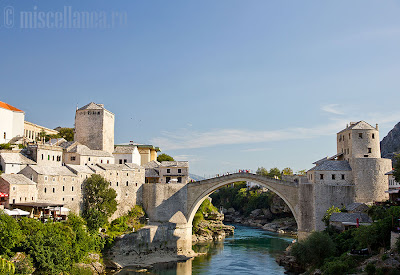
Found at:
[117, 183]
[72, 188]
[54, 190]
[42, 157]
[333, 176]
[48, 157]
[63, 179]
[63, 199]
[53, 158]
[349, 136]
[120, 161]
[168, 170]
[72, 199]
[45, 178]
[5, 135]
[45, 190]
[54, 179]
[108, 162]
[167, 179]
[73, 158]
[343, 177]
[360, 135]
[127, 174]
[14, 188]
[101, 161]
[63, 188]
[89, 159]
[179, 179]
[179, 170]
[127, 183]
[136, 184]
[32, 198]
[13, 201]
[321, 176]
[369, 150]
[125, 160]
[365, 156]
[373, 136]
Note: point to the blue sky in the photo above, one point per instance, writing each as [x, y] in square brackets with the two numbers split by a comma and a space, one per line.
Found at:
[225, 84]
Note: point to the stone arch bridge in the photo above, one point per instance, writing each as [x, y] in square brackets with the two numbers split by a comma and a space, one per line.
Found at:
[171, 207]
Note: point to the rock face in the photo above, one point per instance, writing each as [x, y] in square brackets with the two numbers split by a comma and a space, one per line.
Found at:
[390, 145]
[212, 229]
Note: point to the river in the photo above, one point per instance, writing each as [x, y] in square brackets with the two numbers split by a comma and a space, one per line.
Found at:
[249, 251]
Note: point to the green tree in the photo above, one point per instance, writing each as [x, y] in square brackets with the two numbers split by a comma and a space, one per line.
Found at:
[164, 157]
[98, 202]
[274, 173]
[397, 168]
[10, 234]
[314, 250]
[287, 171]
[66, 133]
[302, 172]
[328, 214]
[262, 171]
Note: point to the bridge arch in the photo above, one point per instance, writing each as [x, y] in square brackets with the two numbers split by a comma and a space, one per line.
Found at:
[200, 190]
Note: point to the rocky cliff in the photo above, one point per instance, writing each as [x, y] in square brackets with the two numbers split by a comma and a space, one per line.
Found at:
[212, 228]
[390, 145]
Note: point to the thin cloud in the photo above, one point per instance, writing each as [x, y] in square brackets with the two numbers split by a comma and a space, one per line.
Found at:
[195, 139]
[332, 108]
[255, 149]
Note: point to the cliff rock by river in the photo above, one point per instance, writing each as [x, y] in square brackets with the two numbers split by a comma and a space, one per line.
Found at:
[212, 228]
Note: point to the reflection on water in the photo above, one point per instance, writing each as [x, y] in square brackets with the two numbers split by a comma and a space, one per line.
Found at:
[249, 251]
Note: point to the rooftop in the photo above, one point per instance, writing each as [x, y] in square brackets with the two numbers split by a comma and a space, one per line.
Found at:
[51, 171]
[152, 173]
[85, 151]
[9, 107]
[151, 164]
[15, 158]
[132, 146]
[120, 167]
[174, 164]
[17, 179]
[350, 217]
[361, 125]
[79, 168]
[332, 165]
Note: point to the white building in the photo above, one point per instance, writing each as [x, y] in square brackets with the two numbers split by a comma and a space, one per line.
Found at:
[127, 154]
[12, 162]
[11, 122]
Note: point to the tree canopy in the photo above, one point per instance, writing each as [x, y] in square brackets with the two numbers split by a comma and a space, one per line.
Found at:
[98, 202]
[287, 171]
[164, 157]
[272, 173]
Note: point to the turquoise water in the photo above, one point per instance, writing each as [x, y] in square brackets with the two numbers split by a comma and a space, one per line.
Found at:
[249, 251]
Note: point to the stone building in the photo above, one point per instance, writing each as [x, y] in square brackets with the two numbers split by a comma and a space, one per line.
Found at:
[167, 172]
[79, 154]
[139, 154]
[19, 188]
[127, 180]
[355, 174]
[44, 154]
[94, 127]
[393, 188]
[56, 185]
[32, 132]
[11, 122]
[13, 161]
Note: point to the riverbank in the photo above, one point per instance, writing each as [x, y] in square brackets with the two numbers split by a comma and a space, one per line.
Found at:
[263, 219]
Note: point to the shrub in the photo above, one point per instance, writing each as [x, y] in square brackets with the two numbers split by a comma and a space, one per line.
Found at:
[314, 250]
[370, 269]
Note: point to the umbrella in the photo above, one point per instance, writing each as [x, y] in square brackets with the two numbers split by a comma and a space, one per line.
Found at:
[57, 209]
[16, 212]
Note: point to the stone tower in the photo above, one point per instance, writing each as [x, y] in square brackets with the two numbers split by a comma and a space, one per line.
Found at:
[359, 144]
[94, 127]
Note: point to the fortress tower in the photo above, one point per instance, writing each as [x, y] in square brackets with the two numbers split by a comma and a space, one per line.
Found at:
[359, 144]
[94, 127]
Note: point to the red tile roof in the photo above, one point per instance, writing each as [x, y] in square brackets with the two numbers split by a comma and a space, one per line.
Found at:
[9, 107]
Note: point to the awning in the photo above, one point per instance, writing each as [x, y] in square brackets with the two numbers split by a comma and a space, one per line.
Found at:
[63, 210]
[16, 212]
[3, 195]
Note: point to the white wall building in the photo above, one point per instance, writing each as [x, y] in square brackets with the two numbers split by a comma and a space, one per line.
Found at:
[127, 154]
[11, 122]
[12, 162]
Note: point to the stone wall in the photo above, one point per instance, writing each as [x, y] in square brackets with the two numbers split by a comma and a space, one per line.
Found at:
[370, 179]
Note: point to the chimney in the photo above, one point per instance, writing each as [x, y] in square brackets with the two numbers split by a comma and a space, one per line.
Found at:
[377, 127]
